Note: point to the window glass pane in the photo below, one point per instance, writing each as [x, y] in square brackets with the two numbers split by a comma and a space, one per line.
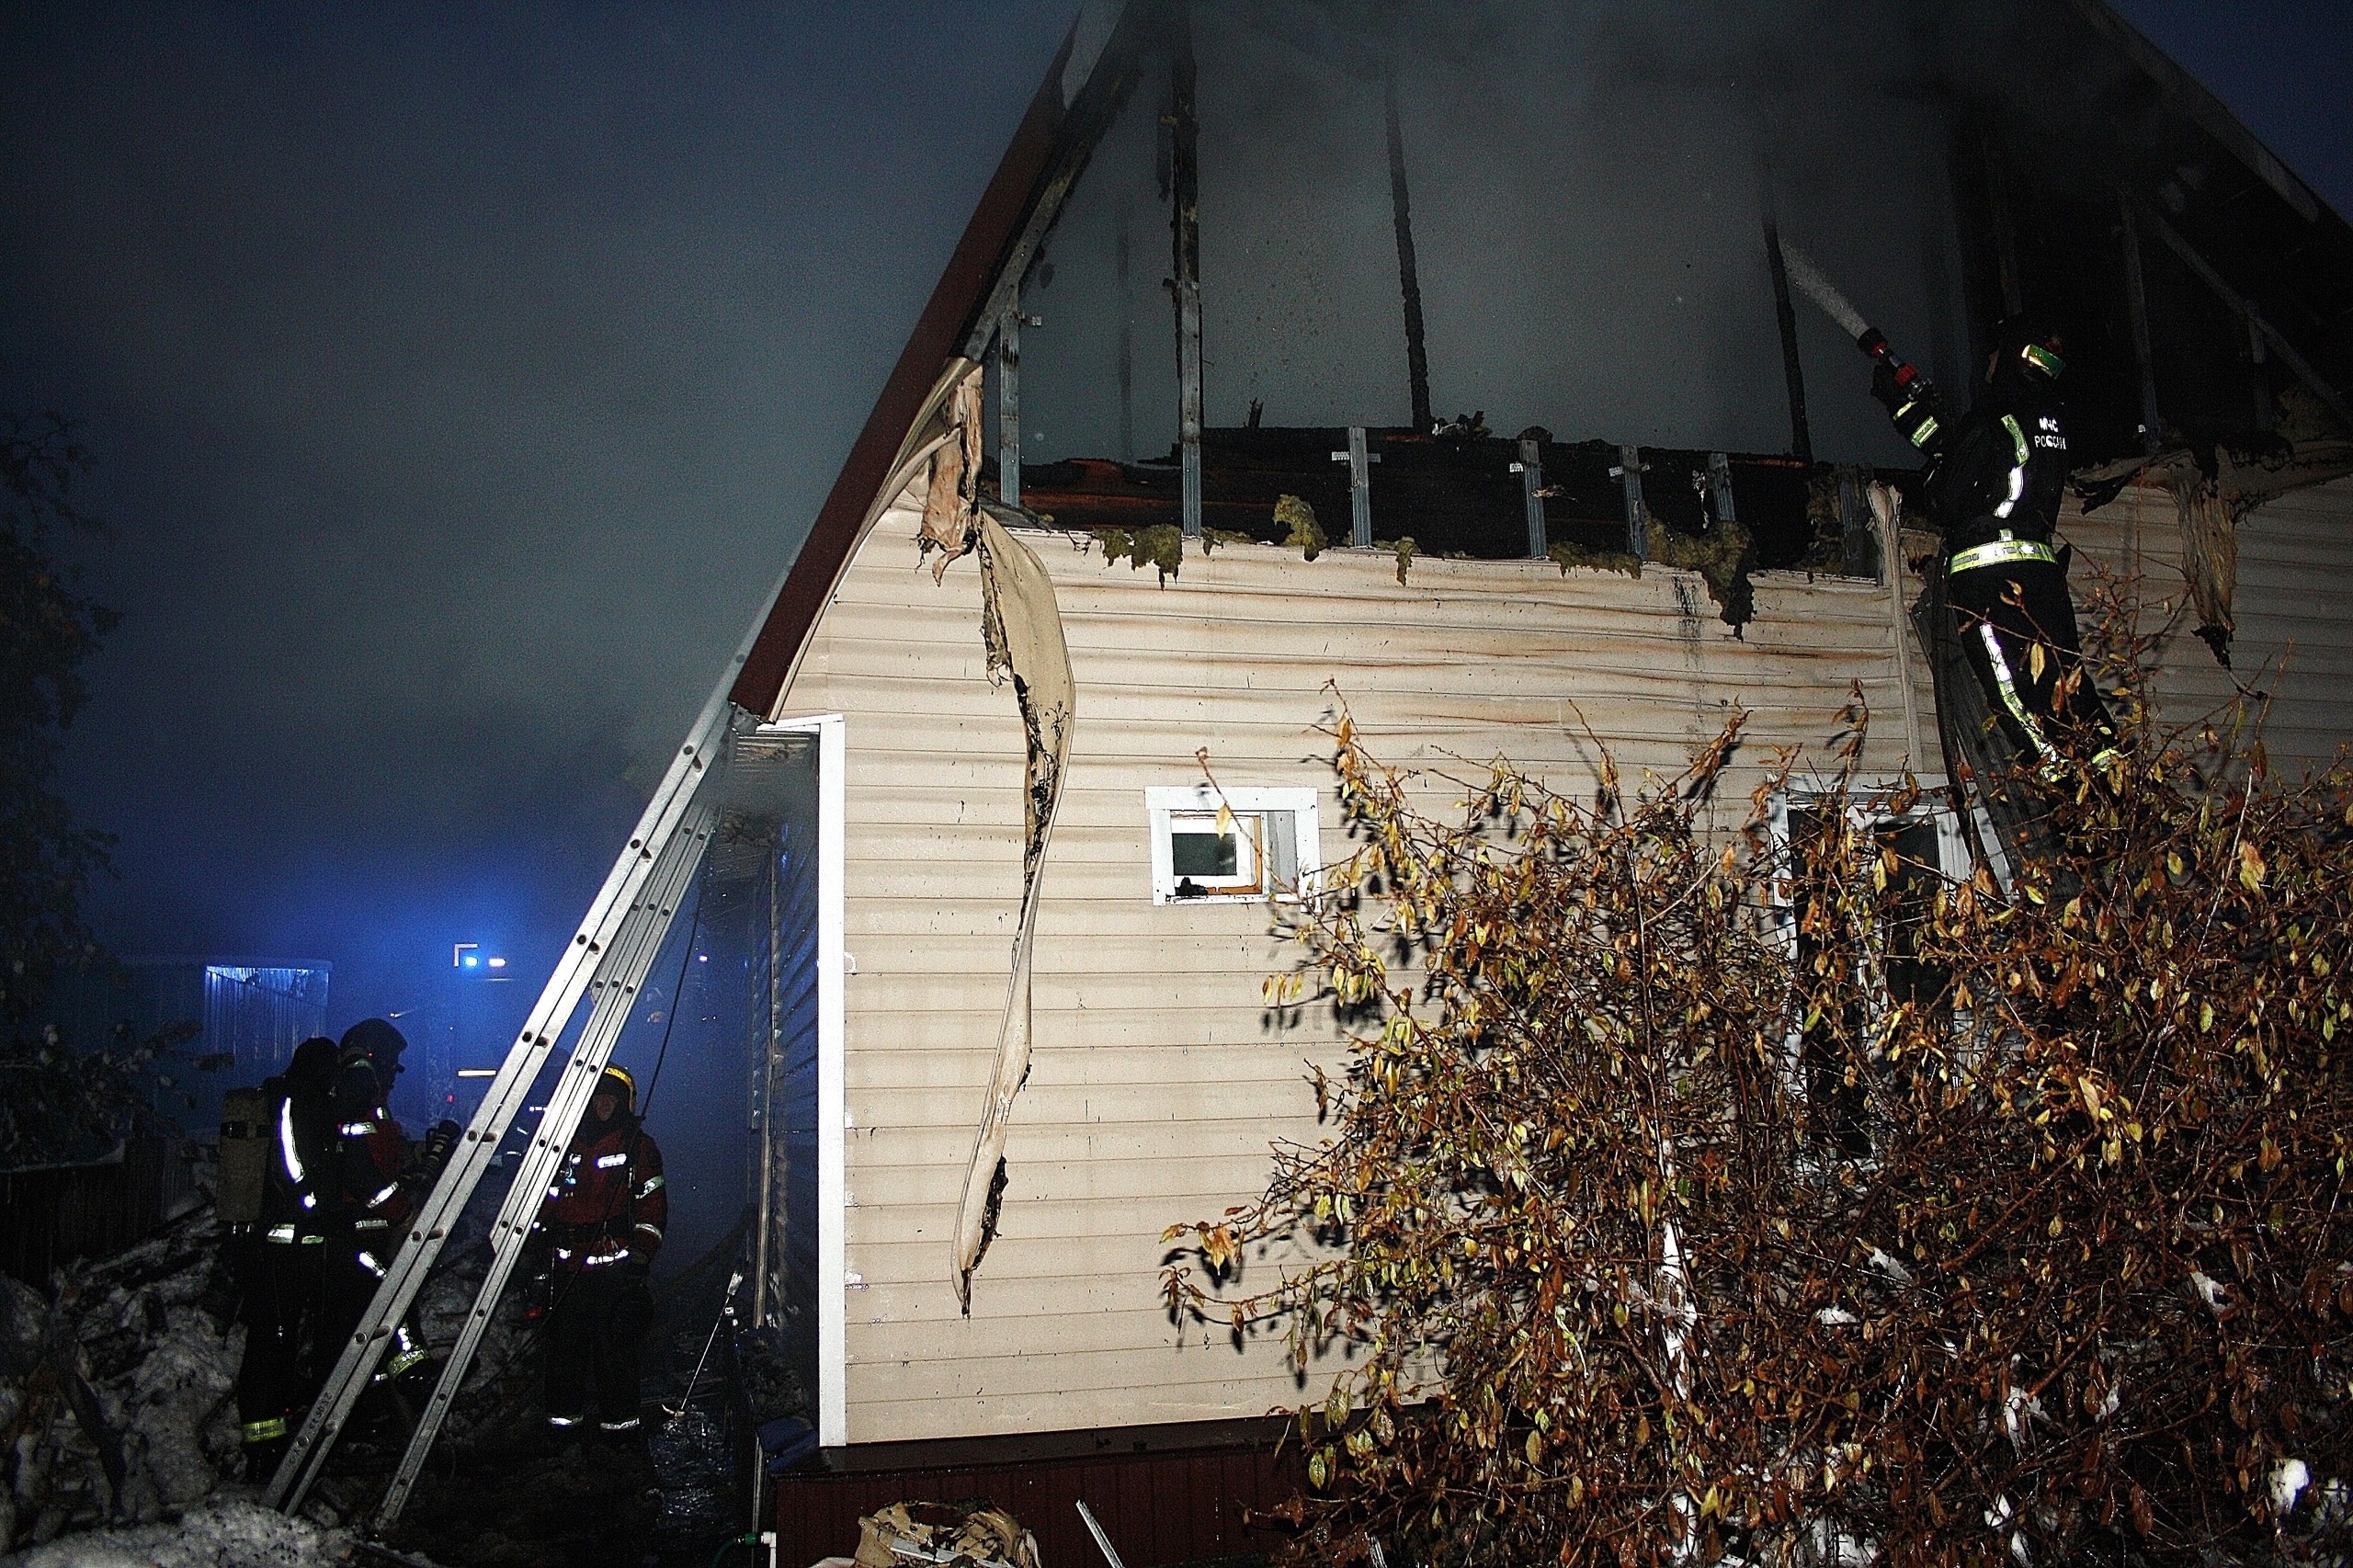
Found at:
[1192, 853]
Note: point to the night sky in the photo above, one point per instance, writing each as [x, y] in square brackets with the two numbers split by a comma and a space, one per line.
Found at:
[460, 386]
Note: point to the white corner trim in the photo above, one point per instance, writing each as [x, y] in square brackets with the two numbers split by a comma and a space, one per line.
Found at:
[833, 1343]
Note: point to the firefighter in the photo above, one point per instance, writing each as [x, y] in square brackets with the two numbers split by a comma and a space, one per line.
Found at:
[1994, 487]
[602, 1223]
[377, 1181]
[284, 1271]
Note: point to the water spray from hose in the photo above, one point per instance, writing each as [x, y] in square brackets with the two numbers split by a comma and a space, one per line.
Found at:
[1810, 281]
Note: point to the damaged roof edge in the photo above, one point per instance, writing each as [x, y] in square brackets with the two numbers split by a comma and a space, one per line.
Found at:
[1045, 150]
[2211, 115]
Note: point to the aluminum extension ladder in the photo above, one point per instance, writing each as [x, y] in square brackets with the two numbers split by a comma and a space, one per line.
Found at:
[608, 956]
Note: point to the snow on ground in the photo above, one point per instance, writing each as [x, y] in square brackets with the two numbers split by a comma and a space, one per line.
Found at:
[122, 1385]
[227, 1532]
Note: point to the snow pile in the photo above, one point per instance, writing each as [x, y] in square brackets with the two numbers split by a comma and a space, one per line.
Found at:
[228, 1532]
[119, 1393]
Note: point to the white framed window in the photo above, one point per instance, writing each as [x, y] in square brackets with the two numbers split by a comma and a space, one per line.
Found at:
[1923, 846]
[1231, 846]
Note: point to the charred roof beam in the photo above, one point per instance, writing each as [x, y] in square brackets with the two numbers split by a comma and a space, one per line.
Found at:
[2136, 208]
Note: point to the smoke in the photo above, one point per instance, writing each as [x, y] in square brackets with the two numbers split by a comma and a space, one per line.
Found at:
[459, 384]
[1589, 186]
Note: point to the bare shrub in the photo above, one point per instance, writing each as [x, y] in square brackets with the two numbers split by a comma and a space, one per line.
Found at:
[1699, 1198]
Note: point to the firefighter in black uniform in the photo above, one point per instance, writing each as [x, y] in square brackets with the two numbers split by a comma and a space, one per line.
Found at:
[1993, 488]
[379, 1177]
[284, 1269]
[601, 1223]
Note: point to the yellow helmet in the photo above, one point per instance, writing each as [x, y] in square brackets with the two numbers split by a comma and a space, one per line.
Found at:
[629, 1085]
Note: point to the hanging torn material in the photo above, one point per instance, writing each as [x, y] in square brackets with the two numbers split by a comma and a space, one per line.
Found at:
[2210, 556]
[1022, 627]
[951, 497]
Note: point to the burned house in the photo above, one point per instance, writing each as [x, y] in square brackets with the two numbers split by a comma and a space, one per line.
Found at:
[1441, 366]
[1181, 444]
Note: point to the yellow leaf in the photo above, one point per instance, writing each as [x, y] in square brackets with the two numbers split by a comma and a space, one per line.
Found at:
[1224, 820]
[2250, 867]
[2035, 660]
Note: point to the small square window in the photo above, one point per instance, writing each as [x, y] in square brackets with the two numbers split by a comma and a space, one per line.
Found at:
[1240, 844]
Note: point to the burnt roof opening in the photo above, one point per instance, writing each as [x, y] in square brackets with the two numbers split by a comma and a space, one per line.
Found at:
[1558, 219]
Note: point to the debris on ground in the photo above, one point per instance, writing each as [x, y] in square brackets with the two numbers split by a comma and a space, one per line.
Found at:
[227, 1532]
[523, 1509]
[118, 1440]
[773, 1388]
[939, 1532]
[116, 1392]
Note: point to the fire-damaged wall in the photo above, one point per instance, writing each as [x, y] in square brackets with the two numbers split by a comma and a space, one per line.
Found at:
[1500, 220]
[1158, 1082]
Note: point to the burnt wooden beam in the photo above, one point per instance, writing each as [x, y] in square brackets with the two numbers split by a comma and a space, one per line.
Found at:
[1532, 489]
[1184, 224]
[1409, 281]
[1008, 405]
[1126, 348]
[2006, 230]
[1628, 472]
[2257, 377]
[2136, 302]
[1858, 529]
[1801, 437]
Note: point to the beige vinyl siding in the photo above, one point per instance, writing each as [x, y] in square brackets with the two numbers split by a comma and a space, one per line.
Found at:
[2293, 607]
[1159, 1082]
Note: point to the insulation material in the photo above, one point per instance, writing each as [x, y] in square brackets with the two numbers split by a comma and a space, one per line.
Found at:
[935, 1532]
[2210, 556]
[950, 504]
[1022, 627]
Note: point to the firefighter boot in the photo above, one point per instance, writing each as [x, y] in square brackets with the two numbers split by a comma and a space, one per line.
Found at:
[262, 1457]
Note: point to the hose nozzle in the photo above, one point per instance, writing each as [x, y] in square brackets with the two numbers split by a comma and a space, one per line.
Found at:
[1873, 342]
